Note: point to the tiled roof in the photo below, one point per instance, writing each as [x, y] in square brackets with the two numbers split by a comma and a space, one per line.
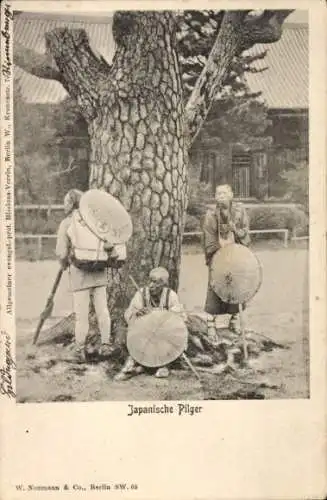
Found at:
[284, 84]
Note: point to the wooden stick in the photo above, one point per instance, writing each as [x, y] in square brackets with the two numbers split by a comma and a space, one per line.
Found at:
[49, 305]
[188, 362]
[245, 347]
[134, 282]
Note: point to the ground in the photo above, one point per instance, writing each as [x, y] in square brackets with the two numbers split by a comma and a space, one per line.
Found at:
[279, 310]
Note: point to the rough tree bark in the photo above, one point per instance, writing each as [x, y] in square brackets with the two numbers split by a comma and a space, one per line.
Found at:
[139, 130]
[135, 116]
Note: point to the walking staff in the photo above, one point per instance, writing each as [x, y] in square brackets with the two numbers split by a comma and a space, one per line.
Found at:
[49, 305]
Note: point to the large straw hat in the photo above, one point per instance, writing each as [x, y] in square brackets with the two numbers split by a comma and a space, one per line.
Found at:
[157, 338]
[236, 274]
[105, 216]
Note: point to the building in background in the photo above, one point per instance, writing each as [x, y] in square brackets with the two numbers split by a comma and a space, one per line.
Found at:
[253, 172]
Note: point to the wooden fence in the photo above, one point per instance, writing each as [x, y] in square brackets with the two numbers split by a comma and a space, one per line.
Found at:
[33, 246]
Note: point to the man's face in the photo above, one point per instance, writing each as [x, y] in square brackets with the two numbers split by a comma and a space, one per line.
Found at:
[156, 285]
[223, 199]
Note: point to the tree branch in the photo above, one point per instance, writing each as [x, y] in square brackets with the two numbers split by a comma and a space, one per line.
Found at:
[266, 28]
[40, 65]
[238, 32]
[81, 70]
[69, 60]
[214, 72]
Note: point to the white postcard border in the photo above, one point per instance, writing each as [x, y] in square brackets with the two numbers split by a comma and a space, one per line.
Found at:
[268, 449]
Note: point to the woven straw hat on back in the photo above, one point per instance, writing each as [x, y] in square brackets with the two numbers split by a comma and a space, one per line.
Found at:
[105, 216]
[236, 274]
[157, 338]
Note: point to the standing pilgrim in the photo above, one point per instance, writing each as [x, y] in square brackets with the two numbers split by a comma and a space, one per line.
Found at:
[87, 258]
[155, 296]
[227, 223]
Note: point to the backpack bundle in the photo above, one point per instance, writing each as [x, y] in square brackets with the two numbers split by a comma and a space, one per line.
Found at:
[100, 220]
[87, 250]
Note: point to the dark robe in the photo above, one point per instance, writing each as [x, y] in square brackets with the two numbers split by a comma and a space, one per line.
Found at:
[215, 227]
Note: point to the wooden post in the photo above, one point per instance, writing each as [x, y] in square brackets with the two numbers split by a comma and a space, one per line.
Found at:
[39, 247]
[286, 239]
[245, 347]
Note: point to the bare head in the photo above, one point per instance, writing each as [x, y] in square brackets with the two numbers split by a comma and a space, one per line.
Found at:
[71, 200]
[158, 279]
[224, 195]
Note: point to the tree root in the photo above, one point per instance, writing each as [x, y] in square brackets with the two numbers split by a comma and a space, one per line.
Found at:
[221, 358]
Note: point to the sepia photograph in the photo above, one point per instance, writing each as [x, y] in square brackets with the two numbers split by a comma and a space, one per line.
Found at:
[161, 206]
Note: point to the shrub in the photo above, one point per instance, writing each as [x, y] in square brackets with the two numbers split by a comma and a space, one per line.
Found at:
[199, 196]
[192, 224]
[289, 217]
[297, 183]
[37, 221]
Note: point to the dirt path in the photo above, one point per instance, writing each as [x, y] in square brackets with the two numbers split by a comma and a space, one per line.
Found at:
[279, 310]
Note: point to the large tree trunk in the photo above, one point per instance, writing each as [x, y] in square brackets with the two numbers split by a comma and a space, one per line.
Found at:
[137, 143]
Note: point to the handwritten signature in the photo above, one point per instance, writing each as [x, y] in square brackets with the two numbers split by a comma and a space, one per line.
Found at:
[6, 379]
[7, 64]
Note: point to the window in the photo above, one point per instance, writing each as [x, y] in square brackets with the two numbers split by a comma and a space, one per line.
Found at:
[241, 172]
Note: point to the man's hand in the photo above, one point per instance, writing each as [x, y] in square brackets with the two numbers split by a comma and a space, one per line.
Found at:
[108, 247]
[64, 263]
[232, 227]
[209, 257]
[142, 312]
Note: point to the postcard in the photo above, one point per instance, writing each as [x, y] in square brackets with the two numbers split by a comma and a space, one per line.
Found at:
[163, 250]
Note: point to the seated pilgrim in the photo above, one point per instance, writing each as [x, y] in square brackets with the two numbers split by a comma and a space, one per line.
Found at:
[155, 296]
